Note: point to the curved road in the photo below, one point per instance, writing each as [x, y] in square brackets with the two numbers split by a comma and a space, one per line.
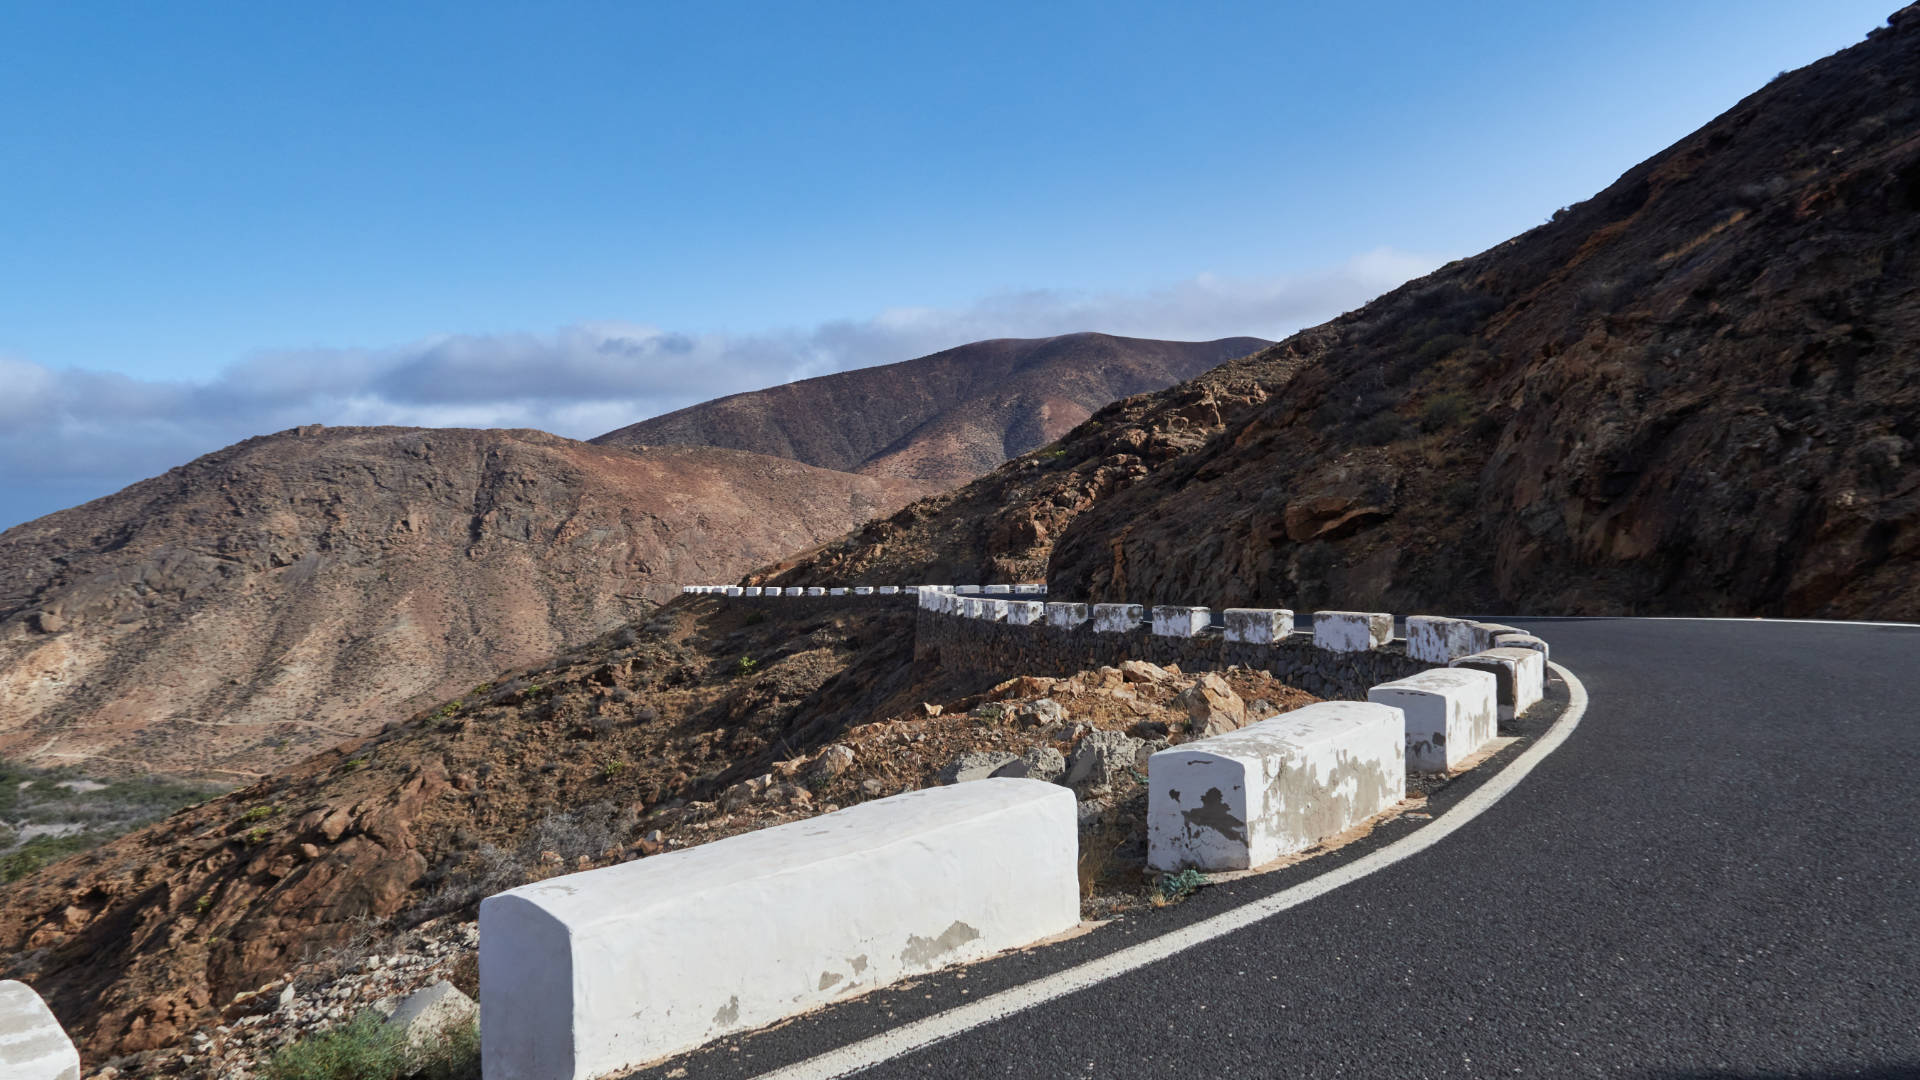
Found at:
[1717, 875]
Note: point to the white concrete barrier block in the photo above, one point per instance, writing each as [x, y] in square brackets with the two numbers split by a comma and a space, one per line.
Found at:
[863, 590]
[998, 590]
[735, 590]
[588, 974]
[750, 590]
[795, 590]
[1451, 712]
[1521, 675]
[1025, 612]
[1436, 639]
[33, 1045]
[1118, 618]
[815, 590]
[841, 591]
[1029, 590]
[1494, 630]
[994, 610]
[967, 590]
[1171, 621]
[890, 590]
[1351, 631]
[1066, 616]
[1257, 626]
[1242, 799]
[688, 590]
[1523, 641]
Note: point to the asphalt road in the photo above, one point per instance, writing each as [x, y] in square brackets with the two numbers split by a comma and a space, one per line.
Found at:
[1718, 875]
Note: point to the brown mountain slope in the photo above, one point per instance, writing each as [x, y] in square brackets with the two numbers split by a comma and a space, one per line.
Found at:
[941, 419]
[241, 611]
[1697, 392]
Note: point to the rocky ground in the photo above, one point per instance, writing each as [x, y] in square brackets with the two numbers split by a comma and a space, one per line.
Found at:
[1091, 732]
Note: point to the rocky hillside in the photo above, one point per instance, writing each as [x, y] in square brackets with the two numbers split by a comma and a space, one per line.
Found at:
[242, 611]
[709, 719]
[941, 419]
[1697, 392]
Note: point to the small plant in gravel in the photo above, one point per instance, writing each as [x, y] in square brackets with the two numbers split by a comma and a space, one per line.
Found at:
[259, 813]
[368, 1048]
[1179, 886]
[746, 666]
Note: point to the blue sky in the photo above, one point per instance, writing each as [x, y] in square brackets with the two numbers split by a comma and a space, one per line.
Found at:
[218, 220]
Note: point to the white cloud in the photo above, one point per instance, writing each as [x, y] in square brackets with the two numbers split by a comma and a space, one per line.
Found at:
[69, 436]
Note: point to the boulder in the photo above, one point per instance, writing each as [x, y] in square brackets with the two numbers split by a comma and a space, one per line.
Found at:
[1211, 706]
[1039, 763]
[831, 762]
[430, 1013]
[1099, 758]
[1142, 671]
[1039, 712]
[975, 765]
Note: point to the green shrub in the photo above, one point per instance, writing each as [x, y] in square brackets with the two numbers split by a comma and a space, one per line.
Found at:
[745, 666]
[368, 1048]
[1445, 410]
[364, 1048]
[1175, 886]
[40, 851]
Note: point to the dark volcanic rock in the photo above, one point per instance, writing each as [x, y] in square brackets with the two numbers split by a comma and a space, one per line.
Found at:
[1697, 392]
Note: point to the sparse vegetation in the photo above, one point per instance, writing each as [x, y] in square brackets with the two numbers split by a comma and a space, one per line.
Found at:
[368, 1048]
[746, 666]
[92, 812]
[1445, 410]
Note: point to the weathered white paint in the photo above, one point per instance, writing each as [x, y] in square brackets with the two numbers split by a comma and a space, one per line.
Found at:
[863, 590]
[1521, 674]
[1238, 800]
[1025, 612]
[891, 590]
[999, 590]
[1257, 626]
[1351, 631]
[1117, 618]
[751, 590]
[33, 1045]
[969, 590]
[794, 590]
[815, 590]
[994, 610]
[841, 591]
[1066, 616]
[1494, 630]
[1171, 621]
[587, 974]
[735, 590]
[1451, 712]
[1523, 641]
[1436, 639]
[1030, 590]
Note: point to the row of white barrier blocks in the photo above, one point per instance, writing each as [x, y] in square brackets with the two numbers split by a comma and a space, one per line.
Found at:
[590, 974]
[860, 590]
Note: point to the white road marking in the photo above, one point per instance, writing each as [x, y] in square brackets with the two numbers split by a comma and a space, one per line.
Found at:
[1701, 618]
[942, 1026]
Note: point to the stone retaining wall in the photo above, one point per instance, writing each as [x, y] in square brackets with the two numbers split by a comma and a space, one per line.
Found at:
[958, 642]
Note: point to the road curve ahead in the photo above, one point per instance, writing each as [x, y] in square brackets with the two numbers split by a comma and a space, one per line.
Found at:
[1717, 875]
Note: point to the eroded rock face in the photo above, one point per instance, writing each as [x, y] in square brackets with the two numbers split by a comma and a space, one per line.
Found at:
[239, 612]
[1694, 393]
[949, 417]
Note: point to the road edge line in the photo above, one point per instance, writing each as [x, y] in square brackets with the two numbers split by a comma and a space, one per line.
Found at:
[942, 1026]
